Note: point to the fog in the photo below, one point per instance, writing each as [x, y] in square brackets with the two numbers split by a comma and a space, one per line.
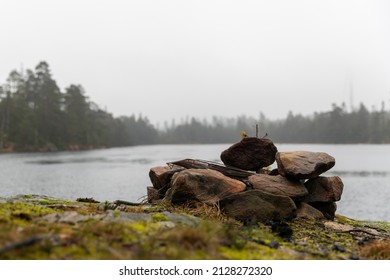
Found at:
[172, 59]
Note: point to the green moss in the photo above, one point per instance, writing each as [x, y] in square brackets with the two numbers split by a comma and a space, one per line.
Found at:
[116, 213]
[254, 251]
[158, 217]
[27, 234]
[17, 212]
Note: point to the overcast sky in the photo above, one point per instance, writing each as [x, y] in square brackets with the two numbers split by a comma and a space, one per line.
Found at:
[176, 58]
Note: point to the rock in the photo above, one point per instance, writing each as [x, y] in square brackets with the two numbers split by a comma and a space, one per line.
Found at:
[182, 219]
[303, 164]
[278, 185]
[255, 206]
[338, 226]
[251, 153]
[328, 209]
[161, 176]
[68, 217]
[309, 212]
[153, 194]
[274, 244]
[339, 248]
[273, 172]
[119, 216]
[208, 186]
[324, 189]
[282, 229]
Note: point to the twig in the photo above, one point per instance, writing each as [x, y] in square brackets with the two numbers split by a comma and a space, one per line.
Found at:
[204, 164]
[124, 202]
[362, 231]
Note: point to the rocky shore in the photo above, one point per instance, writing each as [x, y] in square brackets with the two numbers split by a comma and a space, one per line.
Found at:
[40, 227]
[203, 210]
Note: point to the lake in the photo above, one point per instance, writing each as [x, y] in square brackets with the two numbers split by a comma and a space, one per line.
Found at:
[122, 173]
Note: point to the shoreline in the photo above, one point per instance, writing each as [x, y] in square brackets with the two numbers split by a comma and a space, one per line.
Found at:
[41, 227]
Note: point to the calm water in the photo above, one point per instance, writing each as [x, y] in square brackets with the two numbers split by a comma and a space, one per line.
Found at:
[122, 173]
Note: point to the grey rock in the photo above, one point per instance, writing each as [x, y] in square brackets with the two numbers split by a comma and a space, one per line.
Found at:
[166, 224]
[181, 218]
[127, 216]
[68, 217]
[303, 164]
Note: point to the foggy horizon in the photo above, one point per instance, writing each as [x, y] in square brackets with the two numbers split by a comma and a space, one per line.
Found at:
[173, 59]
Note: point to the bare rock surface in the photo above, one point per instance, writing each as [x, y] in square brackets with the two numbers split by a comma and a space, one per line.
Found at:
[251, 153]
[328, 209]
[208, 186]
[256, 205]
[309, 212]
[278, 185]
[161, 176]
[303, 164]
[324, 189]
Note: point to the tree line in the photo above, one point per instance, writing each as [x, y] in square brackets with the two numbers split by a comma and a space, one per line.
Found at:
[35, 115]
[336, 126]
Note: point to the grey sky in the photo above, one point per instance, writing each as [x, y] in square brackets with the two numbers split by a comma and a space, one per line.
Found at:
[172, 59]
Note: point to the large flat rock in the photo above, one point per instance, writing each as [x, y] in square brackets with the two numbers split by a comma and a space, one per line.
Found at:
[278, 185]
[208, 186]
[303, 164]
[255, 206]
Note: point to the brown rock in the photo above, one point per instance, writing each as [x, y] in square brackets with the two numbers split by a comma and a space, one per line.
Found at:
[328, 209]
[208, 186]
[278, 185]
[251, 153]
[309, 212]
[161, 176]
[303, 164]
[255, 206]
[324, 189]
[153, 194]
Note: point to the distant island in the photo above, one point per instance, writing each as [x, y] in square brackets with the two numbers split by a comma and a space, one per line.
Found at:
[35, 115]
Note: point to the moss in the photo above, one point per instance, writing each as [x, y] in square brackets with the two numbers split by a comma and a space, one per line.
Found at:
[27, 234]
[158, 217]
[116, 213]
[254, 251]
[18, 212]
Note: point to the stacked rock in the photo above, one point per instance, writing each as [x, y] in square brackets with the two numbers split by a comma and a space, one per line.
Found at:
[294, 189]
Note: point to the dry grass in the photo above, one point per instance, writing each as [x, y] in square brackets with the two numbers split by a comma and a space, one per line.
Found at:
[204, 211]
[376, 250]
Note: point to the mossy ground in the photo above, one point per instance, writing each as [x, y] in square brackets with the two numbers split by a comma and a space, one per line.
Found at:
[37, 227]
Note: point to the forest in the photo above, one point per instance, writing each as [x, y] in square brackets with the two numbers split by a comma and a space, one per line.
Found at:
[35, 115]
